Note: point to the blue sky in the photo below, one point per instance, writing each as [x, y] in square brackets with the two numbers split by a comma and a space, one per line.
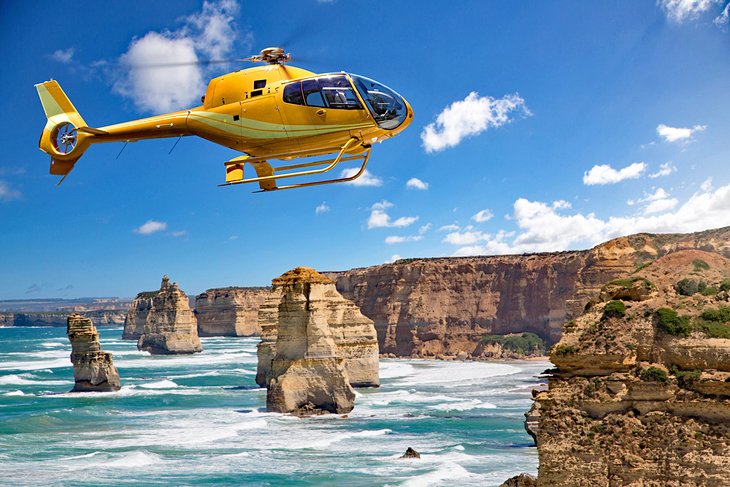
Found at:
[538, 126]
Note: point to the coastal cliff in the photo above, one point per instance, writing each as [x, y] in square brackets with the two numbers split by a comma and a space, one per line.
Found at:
[641, 390]
[137, 315]
[443, 306]
[58, 318]
[231, 311]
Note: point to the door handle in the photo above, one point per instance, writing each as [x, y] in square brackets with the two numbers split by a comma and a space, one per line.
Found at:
[321, 111]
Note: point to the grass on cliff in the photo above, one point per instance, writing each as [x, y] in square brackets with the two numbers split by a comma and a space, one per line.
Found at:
[670, 322]
[715, 323]
[700, 265]
[564, 350]
[523, 344]
[148, 294]
[688, 287]
[654, 374]
[614, 309]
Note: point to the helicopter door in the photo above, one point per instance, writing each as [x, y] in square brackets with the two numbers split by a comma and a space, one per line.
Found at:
[319, 106]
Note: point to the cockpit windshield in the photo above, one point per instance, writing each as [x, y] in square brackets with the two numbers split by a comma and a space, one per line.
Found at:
[387, 106]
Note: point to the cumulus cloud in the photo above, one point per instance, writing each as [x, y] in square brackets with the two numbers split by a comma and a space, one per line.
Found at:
[210, 34]
[379, 218]
[656, 202]
[483, 216]
[424, 229]
[664, 170]
[151, 226]
[680, 11]
[449, 228]
[678, 134]
[706, 184]
[63, 56]
[415, 183]
[179, 233]
[470, 116]
[605, 174]
[7, 193]
[544, 227]
[321, 208]
[396, 239]
[366, 179]
[393, 259]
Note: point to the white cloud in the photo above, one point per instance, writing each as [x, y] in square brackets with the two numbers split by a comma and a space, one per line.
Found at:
[151, 226]
[63, 56]
[656, 202]
[682, 10]
[706, 184]
[676, 134]
[449, 228]
[722, 19]
[393, 259]
[179, 233]
[395, 239]
[379, 218]
[321, 208]
[366, 179]
[470, 116]
[424, 229]
[543, 227]
[664, 170]
[210, 33]
[605, 174]
[483, 216]
[7, 193]
[416, 183]
[233, 237]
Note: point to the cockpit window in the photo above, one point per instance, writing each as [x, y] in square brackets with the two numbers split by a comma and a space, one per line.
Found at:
[387, 106]
[312, 93]
[293, 93]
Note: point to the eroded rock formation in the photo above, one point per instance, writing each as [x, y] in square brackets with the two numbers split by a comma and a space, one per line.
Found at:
[170, 326]
[641, 393]
[307, 371]
[231, 311]
[443, 306]
[94, 370]
[137, 315]
[353, 333]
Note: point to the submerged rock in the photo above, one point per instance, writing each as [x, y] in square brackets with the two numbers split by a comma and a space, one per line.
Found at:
[411, 453]
[94, 370]
[353, 333]
[307, 371]
[170, 327]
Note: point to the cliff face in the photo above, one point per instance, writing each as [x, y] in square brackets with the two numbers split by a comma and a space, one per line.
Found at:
[94, 370]
[641, 393]
[52, 318]
[137, 315]
[443, 306]
[307, 371]
[353, 334]
[229, 311]
[170, 327]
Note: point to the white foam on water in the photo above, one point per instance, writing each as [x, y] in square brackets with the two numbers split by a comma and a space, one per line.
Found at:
[131, 460]
[464, 405]
[447, 474]
[36, 365]
[309, 442]
[162, 384]
[195, 360]
[389, 370]
[449, 373]
[402, 395]
[17, 380]
[14, 393]
[53, 344]
[459, 447]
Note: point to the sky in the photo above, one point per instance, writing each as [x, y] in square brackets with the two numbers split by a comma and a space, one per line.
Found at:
[539, 126]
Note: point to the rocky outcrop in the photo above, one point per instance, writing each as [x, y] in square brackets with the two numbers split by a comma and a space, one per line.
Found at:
[521, 480]
[410, 453]
[443, 306]
[307, 371]
[231, 311]
[49, 318]
[641, 395]
[170, 326]
[353, 333]
[137, 315]
[94, 370]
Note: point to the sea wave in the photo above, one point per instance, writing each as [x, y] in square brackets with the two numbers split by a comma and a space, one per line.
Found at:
[448, 472]
[162, 384]
[17, 380]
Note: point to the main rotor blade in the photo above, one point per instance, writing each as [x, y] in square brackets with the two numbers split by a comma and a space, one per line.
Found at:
[202, 62]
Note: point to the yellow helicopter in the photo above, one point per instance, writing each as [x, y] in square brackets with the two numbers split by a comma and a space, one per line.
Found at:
[271, 112]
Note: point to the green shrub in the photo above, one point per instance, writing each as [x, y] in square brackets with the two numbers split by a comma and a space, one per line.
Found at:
[670, 322]
[654, 374]
[709, 291]
[642, 266]
[721, 314]
[700, 265]
[688, 287]
[725, 285]
[614, 309]
[523, 344]
[713, 329]
[563, 350]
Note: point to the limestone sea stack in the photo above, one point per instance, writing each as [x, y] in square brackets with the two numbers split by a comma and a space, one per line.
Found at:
[231, 311]
[307, 372]
[137, 315]
[353, 333]
[94, 370]
[170, 326]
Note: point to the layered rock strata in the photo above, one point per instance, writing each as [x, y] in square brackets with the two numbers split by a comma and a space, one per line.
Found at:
[641, 390]
[231, 311]
[307, 371]
[59, 318]
[94, 370]
[137, 315]
[170, 325]
[443, 306]
[353, 333]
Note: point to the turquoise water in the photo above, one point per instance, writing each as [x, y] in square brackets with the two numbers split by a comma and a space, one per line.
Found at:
[199, 420]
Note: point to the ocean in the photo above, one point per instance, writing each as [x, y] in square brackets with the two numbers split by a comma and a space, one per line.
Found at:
[200, 420]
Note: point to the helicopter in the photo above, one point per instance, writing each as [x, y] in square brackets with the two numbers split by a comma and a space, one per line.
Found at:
[269, 113]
